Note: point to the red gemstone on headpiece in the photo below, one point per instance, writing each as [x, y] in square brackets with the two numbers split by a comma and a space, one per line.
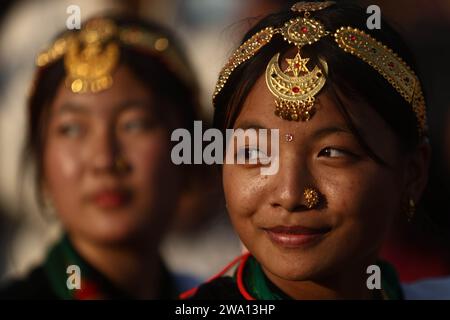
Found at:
[304, 29]
[295, 89]
[353, 37]
[391, 65]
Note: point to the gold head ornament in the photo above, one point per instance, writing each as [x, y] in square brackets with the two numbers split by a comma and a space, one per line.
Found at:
[296, 87]
[92, 54]
[90, 59]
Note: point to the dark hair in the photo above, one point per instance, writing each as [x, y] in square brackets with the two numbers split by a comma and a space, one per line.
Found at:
[179, 96]
[346, 73]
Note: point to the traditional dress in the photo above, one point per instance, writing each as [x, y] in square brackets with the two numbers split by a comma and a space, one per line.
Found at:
[250, 283]
[49, 281]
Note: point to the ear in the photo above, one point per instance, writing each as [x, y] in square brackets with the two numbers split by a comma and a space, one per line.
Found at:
[417, 171]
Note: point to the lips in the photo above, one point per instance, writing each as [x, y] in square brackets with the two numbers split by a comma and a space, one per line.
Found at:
[111, 199]
[295, 236]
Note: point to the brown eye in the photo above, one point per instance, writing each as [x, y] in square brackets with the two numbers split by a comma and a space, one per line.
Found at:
[251, 154]
[136, 125]
[333, 153]
[70, 130]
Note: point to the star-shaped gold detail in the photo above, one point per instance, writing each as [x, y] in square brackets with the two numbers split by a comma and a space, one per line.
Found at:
[297, 65]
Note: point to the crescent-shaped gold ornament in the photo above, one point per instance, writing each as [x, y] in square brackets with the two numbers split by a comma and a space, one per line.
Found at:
[295, 94]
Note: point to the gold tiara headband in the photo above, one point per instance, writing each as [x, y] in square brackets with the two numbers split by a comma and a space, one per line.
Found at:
[295, 87]
[92, 54]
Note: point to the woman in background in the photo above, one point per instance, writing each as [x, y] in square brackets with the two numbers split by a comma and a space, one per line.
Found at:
[104, 103]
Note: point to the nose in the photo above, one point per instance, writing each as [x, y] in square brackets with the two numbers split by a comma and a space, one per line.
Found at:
[103, 151]
[288, 185]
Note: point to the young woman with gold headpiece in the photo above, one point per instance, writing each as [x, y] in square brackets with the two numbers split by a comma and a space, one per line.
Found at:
[104, 103]
[353, 155]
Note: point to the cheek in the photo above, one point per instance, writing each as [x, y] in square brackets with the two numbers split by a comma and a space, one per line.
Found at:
[147, 155]
[150, 159]
[244, 193]
[62, 167]
[360, 202]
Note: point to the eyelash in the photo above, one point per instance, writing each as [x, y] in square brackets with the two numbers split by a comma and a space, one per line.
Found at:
[328, 149]
[139, 124]
[244, 153]
[65, 129]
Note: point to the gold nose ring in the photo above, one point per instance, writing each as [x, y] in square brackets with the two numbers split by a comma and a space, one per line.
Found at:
[311, 197]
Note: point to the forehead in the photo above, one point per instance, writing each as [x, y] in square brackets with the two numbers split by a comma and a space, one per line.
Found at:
[259, 106]
[126, 87]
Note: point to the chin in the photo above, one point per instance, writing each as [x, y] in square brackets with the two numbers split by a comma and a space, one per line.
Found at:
[295, 266]
[294, 272]
[112, 237]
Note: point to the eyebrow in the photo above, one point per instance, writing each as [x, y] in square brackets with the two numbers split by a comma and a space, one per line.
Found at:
[249, 125]
[68, 107]
[83, 109]
[134, 104]
[326, 131]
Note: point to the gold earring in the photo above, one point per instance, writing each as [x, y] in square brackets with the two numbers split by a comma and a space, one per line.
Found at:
[411, 210]
[311, 197]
